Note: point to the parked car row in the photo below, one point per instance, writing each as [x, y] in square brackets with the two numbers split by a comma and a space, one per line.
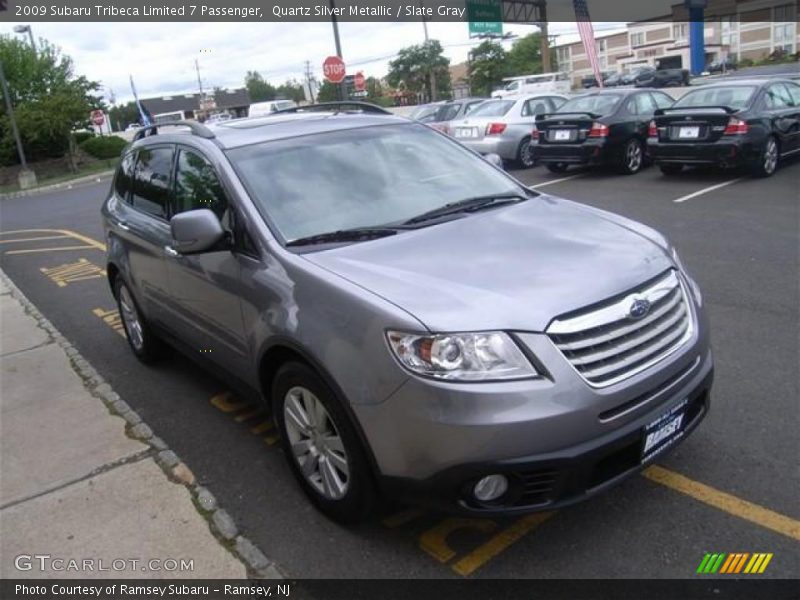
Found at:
[641, 77]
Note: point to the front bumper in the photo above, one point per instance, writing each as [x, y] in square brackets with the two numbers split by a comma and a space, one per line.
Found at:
[590, 152]
[558, 439]
[730, 152]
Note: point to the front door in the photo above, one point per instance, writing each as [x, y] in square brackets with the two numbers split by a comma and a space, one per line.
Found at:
[204, 287]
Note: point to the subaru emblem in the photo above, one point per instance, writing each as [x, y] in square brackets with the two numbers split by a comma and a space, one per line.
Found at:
[639, 308]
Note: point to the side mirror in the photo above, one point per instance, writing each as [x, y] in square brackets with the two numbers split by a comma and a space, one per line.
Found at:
[195, 231]
[494, 159]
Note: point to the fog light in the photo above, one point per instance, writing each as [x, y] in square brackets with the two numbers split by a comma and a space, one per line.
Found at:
[490, 488]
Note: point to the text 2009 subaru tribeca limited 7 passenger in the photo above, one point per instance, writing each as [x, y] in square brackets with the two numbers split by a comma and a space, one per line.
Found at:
[421, 324]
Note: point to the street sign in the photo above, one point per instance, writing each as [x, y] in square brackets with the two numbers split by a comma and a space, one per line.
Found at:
[98, 117]
[333, 69]
[360, 82]
[485, 17]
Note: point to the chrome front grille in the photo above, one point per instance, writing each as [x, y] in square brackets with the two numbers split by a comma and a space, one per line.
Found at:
[609, 343]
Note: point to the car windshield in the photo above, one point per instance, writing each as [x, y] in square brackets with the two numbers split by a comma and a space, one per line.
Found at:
[492, 108]
[599, 104]
[735, 96]
[364, 177]
[425, 111]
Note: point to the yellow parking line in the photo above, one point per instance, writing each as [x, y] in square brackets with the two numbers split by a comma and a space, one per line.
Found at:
[434, 541]
[73, 234]
[34, 239]
[262, 427]
[58, 249]
[498, 543]
[725, 502]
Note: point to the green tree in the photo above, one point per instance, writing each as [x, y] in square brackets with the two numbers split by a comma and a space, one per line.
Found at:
[417, 66]
[258, 88]
[123, 115]
[49, 99]
[291, 90]
[525, 56]
[488, 65]
[327, 92]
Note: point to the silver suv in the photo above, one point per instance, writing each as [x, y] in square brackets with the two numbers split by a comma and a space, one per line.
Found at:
[421, 324]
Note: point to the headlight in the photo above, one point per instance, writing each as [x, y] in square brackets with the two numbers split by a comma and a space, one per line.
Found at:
[461, 356]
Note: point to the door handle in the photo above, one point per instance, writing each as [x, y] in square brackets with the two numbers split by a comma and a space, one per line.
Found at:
[171, 252]
[123, 225]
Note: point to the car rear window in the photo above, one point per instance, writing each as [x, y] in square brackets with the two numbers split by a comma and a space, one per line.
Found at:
[599, 104]
[492, 108]
[448, 112]
[735, 96]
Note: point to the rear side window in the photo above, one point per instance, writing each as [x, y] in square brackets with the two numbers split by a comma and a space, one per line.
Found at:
[794, 92]
[535, 106]
[641, 104]
[777, 96]
[662, 100]
[151, 181]
[124, 177]
[197, 185]
[448, 113]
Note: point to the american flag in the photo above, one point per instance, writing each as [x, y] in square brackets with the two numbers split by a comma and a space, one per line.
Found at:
[586, 32]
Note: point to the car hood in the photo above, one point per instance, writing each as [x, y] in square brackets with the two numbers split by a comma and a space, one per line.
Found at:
[514, 267]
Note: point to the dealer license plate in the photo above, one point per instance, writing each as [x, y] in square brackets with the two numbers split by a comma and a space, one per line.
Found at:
[664, 431]
[689, 132]
[562, 135]
[466, 132]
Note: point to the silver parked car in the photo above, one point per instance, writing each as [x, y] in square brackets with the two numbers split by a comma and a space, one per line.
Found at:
[504, 126]
[421, 324]
[452, 111]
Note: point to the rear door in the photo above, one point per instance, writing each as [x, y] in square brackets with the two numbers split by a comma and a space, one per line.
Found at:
[640, 108]
[784, 115]
[144, 227]
[205, 287]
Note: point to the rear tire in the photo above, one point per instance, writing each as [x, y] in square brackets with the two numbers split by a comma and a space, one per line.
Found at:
[557, 167]
[632, 157]
[525, 158]
[671, 169]
[767, 162]
[321, 444]
[145, 345]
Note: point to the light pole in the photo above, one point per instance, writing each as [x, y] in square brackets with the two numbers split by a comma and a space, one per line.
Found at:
[341, 92]
[27, 178]
[26, 29]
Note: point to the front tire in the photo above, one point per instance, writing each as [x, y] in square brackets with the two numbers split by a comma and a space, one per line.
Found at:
[767, 162]
[321, 444]
[632, 157]
[146, 346]
[671, 169]
[525, 155]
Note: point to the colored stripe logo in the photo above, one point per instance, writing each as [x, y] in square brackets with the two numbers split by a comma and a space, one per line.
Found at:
[733, 563]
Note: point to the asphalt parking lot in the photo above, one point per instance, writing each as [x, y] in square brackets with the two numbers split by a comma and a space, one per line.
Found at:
[730, 487]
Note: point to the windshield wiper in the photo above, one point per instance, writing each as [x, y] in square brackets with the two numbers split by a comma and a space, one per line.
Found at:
[467, 205]
[357, 234]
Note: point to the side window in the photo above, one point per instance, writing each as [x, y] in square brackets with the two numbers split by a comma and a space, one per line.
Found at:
[644, 104]
[535, 106]
[197, 185]
[555, 102]
[662, 100]
[794, 92]
[777, 96]
[151, 181]
[124, 177]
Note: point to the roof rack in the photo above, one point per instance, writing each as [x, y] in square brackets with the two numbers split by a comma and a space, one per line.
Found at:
[339, 106]
[196, 128]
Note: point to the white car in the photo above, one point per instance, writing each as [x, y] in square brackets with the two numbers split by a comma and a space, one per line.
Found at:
[503, 126]
[263, 109]
[544, 83]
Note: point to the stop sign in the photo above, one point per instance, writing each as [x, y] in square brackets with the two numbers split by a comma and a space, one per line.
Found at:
[360, 81]
[333, 68]
[98, 118]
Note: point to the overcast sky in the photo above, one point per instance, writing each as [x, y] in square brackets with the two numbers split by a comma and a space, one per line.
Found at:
[160, 56]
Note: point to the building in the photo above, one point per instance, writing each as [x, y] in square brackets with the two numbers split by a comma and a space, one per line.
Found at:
[740, 29]
[459, 80]
[189, 106]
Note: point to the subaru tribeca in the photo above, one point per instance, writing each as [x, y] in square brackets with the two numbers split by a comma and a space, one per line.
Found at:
[421, 325]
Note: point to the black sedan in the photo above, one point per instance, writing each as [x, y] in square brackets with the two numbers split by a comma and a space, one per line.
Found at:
[602, 127]
[751, 123]
[650, 77]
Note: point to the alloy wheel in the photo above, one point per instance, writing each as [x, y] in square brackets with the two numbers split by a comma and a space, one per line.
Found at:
[633, 156]
[525, 154]
[316, 445]
[770, 156]
[130, 318]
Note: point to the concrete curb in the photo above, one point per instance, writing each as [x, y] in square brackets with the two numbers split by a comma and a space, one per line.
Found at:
[221, 524]
[58, 186]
